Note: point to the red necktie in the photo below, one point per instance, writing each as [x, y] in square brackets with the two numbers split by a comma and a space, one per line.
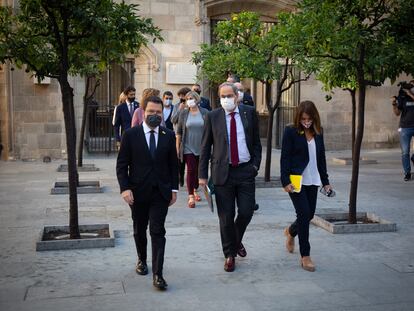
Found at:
[234, 152]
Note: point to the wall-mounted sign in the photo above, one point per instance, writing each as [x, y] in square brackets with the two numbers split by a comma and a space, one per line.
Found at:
[180, 73]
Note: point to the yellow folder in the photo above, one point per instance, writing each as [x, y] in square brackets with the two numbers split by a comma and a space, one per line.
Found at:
[296, 181]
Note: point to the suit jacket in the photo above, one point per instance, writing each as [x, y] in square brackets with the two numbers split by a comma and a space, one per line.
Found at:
[137, 170]
[168, 121]
[247, 100]
[215, 135]
[295, 155]
[181, 127]
[123, 119]
[205, 103]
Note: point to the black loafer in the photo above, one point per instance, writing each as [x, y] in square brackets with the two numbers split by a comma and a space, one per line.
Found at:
[159, 282]
[141, 268]
[242, 251]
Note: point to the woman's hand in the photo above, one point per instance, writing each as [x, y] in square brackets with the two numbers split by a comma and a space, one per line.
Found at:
[328, 188]
[289, 188]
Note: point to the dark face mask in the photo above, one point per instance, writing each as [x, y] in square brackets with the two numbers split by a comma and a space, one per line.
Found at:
[182, 100]
[131, 99]
[153, 120]
[198, 91]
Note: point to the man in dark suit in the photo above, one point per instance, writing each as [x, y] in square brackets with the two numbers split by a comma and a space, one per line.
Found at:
[205, 102]
[231, 133]
[147, 171]
[243, 97]
[168, 110]
[124, 113]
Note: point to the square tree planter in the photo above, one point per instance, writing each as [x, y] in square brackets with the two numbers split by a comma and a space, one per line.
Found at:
[83, 168]
[348, 161]
[92, 236]
[91, 186]
[366, 222]
[273, 183]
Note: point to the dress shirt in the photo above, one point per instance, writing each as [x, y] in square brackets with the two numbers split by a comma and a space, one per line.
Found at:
[129, 106]
[147, 132]
[244, 154]
[310, 175]
[166, 112]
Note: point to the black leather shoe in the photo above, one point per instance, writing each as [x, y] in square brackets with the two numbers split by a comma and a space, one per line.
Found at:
[141, 268]
[159, 282]
[407, 177]
[242, 251]
[256, 207]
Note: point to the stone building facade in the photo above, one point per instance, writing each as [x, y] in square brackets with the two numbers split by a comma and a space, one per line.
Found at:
[31, 118]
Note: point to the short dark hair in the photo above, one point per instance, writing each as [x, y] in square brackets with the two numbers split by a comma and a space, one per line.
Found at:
[128, 89]
[183, 91]
[196, 84]
[167, 93]
[152, 99]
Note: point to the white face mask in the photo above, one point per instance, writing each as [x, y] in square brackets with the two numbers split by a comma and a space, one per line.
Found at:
[168, 102]
[227, 103]
[191, 103]
[306, 125]
[241, 93]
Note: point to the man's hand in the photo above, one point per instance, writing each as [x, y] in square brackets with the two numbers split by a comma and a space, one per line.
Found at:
[182, 106]
[118, 145]
[128, 196]
[173, 198]
[202, 182]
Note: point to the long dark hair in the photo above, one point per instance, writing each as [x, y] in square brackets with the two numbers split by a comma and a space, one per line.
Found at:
[309, 108]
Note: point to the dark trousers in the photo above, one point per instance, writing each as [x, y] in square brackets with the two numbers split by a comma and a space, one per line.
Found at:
[191, 161]
[305, 205]
[154, 211]
[181, 171]
[240, 188]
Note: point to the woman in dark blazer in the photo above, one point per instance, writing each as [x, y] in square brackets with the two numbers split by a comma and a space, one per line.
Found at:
[190, 127]
[303, 153]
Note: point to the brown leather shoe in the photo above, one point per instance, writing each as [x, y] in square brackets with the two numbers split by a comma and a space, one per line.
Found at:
[307, 263]
[290, 241]
[229, 264]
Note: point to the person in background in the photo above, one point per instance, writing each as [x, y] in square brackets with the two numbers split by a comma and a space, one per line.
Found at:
[148, 181]
[190, 129]
[243, 97]
[180, 106]
[138, 116]
[121, 100]
[204, 102]
[124, 113]
[167, 99]
[231, 141]
[303, 153]
[403, 106]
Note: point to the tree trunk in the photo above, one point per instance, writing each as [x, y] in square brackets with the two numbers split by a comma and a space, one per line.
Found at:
[353, 96]
[357, 148]
[70, 128]
[84, 118]
[271, 111]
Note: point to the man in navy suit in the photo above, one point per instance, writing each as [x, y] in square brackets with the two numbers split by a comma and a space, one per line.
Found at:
[124, 113]
[205, 102]
[147, 171]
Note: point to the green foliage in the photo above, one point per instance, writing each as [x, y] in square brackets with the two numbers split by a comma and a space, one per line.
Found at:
[54, 37]
[341, 38]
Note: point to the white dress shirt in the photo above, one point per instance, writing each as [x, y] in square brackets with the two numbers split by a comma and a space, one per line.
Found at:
[147, 132]
[244, 154]
[129, 106]
[310, 175]
[166, 112]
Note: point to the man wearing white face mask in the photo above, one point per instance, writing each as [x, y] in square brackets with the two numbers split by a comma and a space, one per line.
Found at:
[167, 99]
[190, 128]
[231, 141]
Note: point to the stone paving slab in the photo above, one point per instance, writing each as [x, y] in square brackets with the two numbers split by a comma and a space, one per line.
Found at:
[363, 272]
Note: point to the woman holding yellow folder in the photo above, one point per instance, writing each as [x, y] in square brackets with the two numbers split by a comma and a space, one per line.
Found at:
[302, 172]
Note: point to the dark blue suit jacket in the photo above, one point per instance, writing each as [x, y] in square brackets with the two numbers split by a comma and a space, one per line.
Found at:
[295, 155]
[205, 103]
[123, 119]
[247, 100]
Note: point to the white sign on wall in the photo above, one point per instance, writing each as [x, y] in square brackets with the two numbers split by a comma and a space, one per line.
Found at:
[180, 73]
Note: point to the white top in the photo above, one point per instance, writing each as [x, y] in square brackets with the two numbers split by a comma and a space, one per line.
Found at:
[166, 112]
[244, 154]
[310, 175]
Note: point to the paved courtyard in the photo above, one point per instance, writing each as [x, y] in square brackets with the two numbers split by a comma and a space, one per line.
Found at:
[371, 271]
